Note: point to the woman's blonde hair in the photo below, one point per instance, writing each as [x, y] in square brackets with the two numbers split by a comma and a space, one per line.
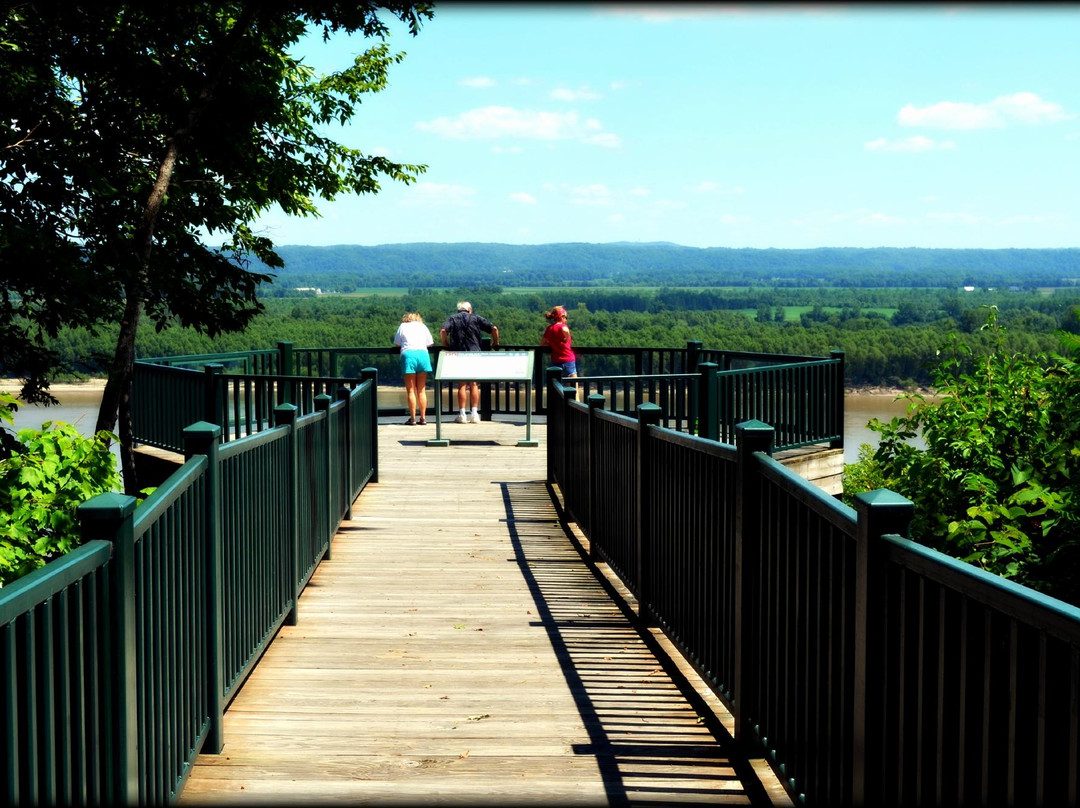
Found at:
[412, 316]
[555, 313]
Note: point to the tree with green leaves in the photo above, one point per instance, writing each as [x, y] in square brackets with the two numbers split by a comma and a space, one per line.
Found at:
[139, 144]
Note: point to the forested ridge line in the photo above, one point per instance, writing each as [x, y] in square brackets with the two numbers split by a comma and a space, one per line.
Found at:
[346, 268]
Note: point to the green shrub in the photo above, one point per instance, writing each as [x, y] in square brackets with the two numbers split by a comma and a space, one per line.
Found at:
[998, 484]
[47, 474]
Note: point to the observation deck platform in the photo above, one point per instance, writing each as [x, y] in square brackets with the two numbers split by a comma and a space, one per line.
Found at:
[458, 647]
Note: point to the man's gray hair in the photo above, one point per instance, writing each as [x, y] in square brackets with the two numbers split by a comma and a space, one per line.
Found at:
[464, 305]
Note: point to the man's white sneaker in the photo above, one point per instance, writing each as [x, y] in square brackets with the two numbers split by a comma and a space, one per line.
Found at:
[461, 419]
[474, 418]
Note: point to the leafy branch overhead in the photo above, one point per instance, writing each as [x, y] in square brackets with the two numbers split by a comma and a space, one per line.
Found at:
[139, 144]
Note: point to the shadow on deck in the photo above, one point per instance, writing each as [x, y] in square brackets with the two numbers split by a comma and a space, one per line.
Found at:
[459, 648]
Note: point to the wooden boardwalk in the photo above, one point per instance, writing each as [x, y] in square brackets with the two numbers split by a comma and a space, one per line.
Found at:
[458, 649]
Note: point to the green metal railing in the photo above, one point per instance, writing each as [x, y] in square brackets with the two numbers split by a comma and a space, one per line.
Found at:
[866, 668]
[701, 392]
[120, 658]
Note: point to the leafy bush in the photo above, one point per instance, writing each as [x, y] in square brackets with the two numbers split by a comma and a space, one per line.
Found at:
[44, 477]
[998, 484]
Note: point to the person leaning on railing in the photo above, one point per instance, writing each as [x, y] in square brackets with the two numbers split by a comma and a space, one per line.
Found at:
[557, 337]
[413, 337]
[461, 332]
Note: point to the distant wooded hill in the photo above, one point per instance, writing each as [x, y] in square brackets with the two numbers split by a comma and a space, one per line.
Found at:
[346, 268]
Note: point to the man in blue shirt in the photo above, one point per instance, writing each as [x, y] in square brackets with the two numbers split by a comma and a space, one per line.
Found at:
[461, 332]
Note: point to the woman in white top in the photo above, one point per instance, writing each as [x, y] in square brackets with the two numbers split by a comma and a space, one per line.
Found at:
[413, 337]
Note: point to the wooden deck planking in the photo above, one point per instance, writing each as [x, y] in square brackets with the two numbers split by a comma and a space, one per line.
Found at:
[456, 649]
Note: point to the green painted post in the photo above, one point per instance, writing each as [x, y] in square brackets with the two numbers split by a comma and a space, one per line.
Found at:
[485, 387]
[595, 402]
[212, 409]
[881, 512]
[693, 358]
[648, 415]
[286, 364]
[285, 415]
[204, 438]
[322, 404]
[708, 412]
[751, 437]
[372, 375]
[345, 394]
[837, 414]
[110, 517]
[554, 413]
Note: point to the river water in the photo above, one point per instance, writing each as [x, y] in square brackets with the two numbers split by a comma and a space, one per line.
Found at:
[79, 407]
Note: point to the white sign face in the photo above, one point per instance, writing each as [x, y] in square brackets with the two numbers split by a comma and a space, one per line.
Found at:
[485, 366]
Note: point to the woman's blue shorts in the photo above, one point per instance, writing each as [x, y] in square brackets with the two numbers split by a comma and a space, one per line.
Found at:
[416, 361]
[569, 368]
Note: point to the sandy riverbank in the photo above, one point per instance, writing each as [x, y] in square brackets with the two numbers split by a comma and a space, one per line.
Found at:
[12, 386]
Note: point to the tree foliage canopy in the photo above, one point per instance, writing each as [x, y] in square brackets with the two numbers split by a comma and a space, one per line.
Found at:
[139, 143]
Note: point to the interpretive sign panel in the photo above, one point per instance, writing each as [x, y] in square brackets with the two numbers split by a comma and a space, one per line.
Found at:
[485, 366]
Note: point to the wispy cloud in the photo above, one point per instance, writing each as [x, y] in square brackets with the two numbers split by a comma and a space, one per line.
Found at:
[523, 197]
[494, 122]
[1025, 108]
[580, 94]
[478, 81]
[918, 143]
[595, 194]
[957, 217]
[436, 194]
[711, 187]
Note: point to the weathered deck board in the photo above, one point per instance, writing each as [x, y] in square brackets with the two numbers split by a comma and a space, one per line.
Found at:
[456, 649]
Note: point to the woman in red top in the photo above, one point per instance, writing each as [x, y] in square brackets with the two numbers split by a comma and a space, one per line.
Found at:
[557, 337]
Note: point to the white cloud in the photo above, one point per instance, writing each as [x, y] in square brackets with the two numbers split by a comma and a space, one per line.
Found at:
[594, 195]
[918, 143]
[1025, 219]
[608, 140]
[877, 218]
[639, 191]
[524, 198]
[497, 121]
[955, 218]
[580, 94]
[1026, 108]
[733, 219]
[478, 81]
[436, 194]
[711, 187]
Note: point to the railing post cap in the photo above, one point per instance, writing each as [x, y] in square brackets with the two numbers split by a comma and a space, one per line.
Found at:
[648, 406]
[883, 498]
[202, 429]
[109, 505]
[753, 425]
[596, 401]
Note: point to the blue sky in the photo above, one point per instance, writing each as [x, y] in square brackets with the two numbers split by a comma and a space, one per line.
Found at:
[721, 126]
